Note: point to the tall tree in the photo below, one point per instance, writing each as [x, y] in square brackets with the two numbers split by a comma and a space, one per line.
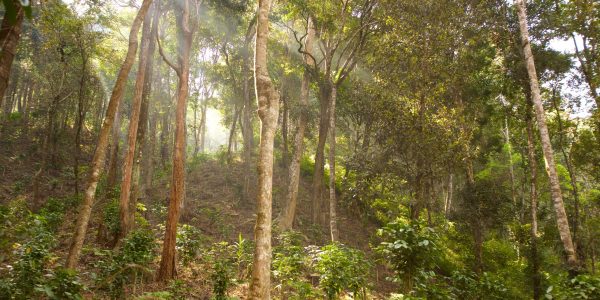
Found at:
[10, 33]
[536, 97]
[268, 112]
[127, 205]
[533, 198]
[286, 219]
[85, 209]
[185, 32]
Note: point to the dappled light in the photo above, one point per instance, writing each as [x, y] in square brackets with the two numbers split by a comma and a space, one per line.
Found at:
[299, 149]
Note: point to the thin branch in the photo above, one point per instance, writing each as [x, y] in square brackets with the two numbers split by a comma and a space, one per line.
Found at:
[166, 59]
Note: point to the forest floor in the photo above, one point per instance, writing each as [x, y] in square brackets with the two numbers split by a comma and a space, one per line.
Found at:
[215, 203]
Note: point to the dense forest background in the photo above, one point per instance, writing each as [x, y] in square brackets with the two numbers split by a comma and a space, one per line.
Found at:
[331, 149]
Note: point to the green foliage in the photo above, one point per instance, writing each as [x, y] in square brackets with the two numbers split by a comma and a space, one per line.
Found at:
[111, 216]
[307, 166]
[189, 241]
[243, 257]
[409, 248]
[32, 260]
[222, 268]
[126, 265]
[290, 266]
[340, 268]
[581, 287]
[62, 284]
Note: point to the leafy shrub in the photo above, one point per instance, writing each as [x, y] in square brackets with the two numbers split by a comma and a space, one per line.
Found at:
[189, 240]
[410, 248]
[290, 266]
[580, 287]
[222, 268]
[243, 257]
[128, 264]
[62, 284]
[111, 217]
[53, 211]
[340, 268]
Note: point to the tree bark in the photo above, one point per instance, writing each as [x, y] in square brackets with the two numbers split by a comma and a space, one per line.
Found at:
[559, 208]
[268, 111]
[126, 204]
[81, 112]
[325, 100]
[535, 267]
[137, 185]
[335, 235]
[185, 32]
[10, 34]
[98, 159]
[286, 220]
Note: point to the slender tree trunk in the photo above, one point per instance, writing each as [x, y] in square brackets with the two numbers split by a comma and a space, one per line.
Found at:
[535, 268]
[136, 183]
[247, 130]
[559, 208]
[335, 235]
[81, 112]
[268, 111]
[98, 160]
[325, 100]
[111, 174]
[286, 220]
[236, 112]
[449, 197]
[511, 170]
[167, 269]
[10, 33]
[203, 126]
[126, 205]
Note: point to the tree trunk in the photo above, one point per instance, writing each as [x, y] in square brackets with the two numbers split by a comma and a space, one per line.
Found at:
[81, 112]
[167, 269]
[236, 112]
[535, 267]
[98, 159]
[111, 174]
[268, 111]
[136, 184]
[286, 220]
[325, 100]
[573, 179]
[559, 208]
[10, 32]
[511, 170]
[335, 235]
[127, 205]
[203, 126]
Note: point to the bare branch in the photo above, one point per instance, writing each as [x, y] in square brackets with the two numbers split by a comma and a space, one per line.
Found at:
[166, 59]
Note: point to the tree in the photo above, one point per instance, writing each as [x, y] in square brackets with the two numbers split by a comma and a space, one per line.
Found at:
[286, 219]
[127, 205]
[268, 111]
[10, 33]
[186, 26]
[85, 209]
[559, 208]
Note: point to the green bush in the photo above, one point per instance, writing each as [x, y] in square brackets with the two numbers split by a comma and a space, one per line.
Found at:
[222, 263]
[411, 249]
[244, 257]
[111, 217]
[290, 269]
[189, 240]
[61, 284]
[581, 287]
[126, 265]
[340, 268]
